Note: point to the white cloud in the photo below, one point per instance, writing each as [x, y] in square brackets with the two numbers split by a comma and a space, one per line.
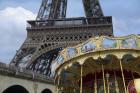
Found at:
[12, 30]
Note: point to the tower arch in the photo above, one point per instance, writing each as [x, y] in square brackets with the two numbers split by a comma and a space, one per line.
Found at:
[15, 89]
[46, 91]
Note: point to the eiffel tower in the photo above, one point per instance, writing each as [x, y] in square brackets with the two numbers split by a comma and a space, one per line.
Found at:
[52, 31]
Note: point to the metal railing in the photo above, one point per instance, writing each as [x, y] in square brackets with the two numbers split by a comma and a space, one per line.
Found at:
[69, 22]
[12, 70]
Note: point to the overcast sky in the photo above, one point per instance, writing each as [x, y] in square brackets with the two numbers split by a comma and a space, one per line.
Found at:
[14, 13]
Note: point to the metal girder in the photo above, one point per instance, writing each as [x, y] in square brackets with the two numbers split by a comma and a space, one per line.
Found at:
[52, 9]
[92, 8]
[44, 10]
[56, 9]
[59, 10]
[42, 64]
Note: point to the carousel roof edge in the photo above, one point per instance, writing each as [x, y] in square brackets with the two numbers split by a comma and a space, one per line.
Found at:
[103, 36]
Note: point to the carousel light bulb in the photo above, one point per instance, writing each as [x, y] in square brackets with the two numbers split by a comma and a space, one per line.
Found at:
[107, 75]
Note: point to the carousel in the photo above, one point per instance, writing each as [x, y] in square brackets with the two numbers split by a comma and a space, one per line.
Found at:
[99, 65]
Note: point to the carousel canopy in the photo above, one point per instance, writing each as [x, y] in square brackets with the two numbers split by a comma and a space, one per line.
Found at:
[126, 48]
[100, 64]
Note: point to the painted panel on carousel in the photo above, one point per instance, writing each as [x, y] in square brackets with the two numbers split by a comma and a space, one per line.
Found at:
[71, 52]
[59, 59]
[129, 43]
[53, 68]
[87, 47]
[109, 43]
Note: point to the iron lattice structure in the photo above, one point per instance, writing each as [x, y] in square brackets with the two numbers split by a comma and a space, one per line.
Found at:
[52, 31]
[92, 8]
[56, 9]
[52, 9]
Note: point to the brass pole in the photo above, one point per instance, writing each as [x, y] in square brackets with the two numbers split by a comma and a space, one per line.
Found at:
[81, 86]
[95, 84]
[58, 85]
[132, 75]
[104, 78]
[123, 76]
[107, 77]
[116, 83]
